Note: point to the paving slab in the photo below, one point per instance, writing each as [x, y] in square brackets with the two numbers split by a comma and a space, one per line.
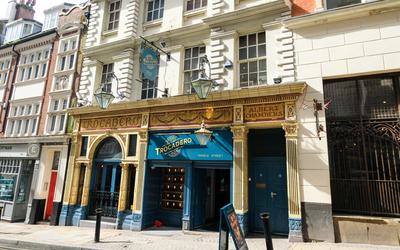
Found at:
[43, 237]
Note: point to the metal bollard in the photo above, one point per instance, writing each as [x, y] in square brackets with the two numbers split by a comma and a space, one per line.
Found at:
[267, 230]
[99, 212]
[1, 210]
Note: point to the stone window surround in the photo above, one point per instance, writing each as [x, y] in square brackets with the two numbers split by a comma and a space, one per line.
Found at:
[4, 68]
[160, 9]
[191, 69]
[31, 119]
[108, 16]
[67, 54]
[25, 63]
[247, 60]
[59, 114]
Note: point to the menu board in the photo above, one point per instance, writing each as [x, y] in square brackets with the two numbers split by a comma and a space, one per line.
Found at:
[229, 220]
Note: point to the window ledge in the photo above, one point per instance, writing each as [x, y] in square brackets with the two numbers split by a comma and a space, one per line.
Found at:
[151, 24]
[195, 12]
[110, 32]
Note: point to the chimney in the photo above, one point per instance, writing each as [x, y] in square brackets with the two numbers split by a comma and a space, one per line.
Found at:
[11, 10]
[25, 10]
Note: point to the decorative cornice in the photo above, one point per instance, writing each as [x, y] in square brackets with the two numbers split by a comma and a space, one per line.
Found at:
[246, 13]
[262, 94]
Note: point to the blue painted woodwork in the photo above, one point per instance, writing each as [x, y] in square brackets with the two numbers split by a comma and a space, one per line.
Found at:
[268, 177]
[184, 146]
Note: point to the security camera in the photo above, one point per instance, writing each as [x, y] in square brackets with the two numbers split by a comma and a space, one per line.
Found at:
[163, 44]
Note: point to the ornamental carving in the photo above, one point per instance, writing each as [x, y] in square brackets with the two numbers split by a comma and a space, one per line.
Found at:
[145, 120]
[238, 110]
[143, 135]
[264, 112]
[290, 111]
[129, 121]
[290, 129]
[239, 132]
[189, 117]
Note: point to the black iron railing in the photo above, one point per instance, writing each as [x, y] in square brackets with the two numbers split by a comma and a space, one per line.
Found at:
[107, 201]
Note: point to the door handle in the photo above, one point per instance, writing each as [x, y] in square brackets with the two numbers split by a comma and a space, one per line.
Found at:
[273, 194]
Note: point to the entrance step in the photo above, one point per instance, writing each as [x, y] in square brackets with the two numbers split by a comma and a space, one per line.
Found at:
[92, 224]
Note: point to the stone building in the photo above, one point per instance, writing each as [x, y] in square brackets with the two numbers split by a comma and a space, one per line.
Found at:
[276, 66]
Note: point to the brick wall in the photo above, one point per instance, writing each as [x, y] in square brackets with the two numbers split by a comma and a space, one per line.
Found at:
[45, 104]
[302, 7]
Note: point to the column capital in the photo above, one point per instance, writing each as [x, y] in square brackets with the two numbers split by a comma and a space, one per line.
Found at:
[239, 132]
[291, 129]
[124, 165]
[143, 135]
[77, 164]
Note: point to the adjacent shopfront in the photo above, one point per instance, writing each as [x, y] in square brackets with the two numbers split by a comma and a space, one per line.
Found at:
[157, 171]
[17, 164]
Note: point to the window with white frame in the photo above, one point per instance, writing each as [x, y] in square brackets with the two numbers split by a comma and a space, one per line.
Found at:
[57, 115]
[149, 88]
[155, 10]
[252, 59]
[331, 4]
[33, 65]
[67, 54]
[106, 79]
[191, 67]
[113, 14]
[23, 119]
[195, 4]
[4, 68]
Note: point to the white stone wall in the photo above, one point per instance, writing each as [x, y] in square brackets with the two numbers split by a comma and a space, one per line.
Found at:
[353, 47]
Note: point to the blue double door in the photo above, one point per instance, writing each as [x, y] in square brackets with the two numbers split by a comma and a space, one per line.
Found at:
[268, 193]
[105, 185]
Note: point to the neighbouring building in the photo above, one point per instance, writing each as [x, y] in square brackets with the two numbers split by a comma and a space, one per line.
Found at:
[41, 85]
[347, 53]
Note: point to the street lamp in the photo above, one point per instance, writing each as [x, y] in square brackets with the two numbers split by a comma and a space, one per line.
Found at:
[104, 96]
[203, 135]
[203, 85]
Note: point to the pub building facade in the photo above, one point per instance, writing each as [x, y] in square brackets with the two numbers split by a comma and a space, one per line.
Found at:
[145, 163]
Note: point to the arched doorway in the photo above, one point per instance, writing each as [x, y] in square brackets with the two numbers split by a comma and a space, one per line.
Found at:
[106, 178]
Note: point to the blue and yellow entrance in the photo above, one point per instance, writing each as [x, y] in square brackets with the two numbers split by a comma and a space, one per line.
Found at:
[267, 180]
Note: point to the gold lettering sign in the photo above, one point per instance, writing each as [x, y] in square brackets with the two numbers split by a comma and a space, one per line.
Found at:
[264, 112]
[131, 121]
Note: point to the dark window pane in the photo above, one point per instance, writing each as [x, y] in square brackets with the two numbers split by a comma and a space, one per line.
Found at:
[187, 64]
[204, 3]
[252, 39]
[161, 13]
[262, 65]
[243, 41]
[243, 54]
[149, 16]
[189, 5]
[253, 52]
[132, 145]
[197, 4]
[187, 53]
[84, 145]
[195, 63]
[243, 79]
[263, 78]
[244, 68]
[202, 50]
[261, 50]
[155, 15]
[253, 66]
[253, 79]
[261, 37]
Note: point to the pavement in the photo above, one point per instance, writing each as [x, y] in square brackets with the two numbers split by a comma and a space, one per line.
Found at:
[23, 236]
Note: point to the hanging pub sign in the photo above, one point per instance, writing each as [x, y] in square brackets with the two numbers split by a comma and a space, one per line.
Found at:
[149, 63]
[229, 221]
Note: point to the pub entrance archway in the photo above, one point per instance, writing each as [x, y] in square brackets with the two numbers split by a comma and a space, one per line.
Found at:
[106, 178]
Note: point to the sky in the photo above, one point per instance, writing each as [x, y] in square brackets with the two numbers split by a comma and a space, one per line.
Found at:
[39, 7]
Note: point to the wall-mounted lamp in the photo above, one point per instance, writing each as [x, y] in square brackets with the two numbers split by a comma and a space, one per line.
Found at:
[203, 84]
[104, 96]
[203, 135]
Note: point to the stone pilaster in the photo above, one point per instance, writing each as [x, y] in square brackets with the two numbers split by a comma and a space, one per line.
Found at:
[295, 224]
[125, 74]
[75, 184]
[240, 173]
[132, 18]
[86, 185]
[139, 180]
[123, 190]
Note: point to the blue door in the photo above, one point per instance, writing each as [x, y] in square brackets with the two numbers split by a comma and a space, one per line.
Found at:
[268, 193]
